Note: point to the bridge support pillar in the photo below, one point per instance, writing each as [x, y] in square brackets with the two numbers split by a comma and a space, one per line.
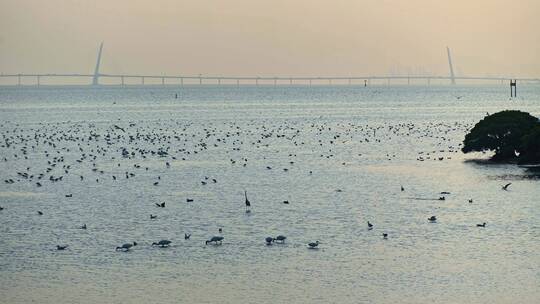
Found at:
[275, 82]
[38, 80]
[142, 80]
[238, 82]
[200, 80]
[181, 81]
[290, 81]
[122, 80]
[162, 80]
[19, 80]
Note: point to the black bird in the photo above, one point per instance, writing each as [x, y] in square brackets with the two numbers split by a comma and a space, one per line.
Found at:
[432, 219]
[481, 225]
[162, 243]
[269, 240]
[280, 238]
[402, 189]
[69, 195]
[40, 213]
[187, 236]
[189, 200]
[153, 216]
[83, 226]
[162, 205]
[505, 187]
[369, 225]
[215, 240]
[1, 208]
[385, 235]
[286, 202]
[470, 200]
[58, 247]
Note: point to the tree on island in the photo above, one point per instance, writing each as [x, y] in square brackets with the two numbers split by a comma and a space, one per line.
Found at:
[531, 147]
[506, 133]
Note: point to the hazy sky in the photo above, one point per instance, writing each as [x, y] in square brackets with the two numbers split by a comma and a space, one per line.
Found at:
[272, 37]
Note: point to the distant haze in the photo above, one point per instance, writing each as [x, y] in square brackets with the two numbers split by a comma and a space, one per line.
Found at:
[266, 38]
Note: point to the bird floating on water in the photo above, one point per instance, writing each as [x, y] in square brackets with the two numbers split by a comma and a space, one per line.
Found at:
[280, 238]
[385, 235]
[162, 243]
[187, 236]
[481, 225]
[126, 246]
[162, 205]
[369, 225]
[59, 247]
[432, 219]
[313, 245]
[216, 240]
[505, 187]
[269, 240]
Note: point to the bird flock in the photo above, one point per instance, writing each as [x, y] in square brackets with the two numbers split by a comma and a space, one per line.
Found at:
[44, 155]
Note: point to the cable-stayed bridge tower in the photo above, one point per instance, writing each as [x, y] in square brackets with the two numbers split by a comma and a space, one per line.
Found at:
[95, 79]
[452, 76]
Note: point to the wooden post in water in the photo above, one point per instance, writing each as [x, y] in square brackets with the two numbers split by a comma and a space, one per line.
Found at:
[365, 83]
[513, 88]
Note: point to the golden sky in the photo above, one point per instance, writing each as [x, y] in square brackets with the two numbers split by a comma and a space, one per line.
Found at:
[272, 37]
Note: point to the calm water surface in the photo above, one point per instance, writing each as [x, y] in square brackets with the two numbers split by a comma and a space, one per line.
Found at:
[337, 154]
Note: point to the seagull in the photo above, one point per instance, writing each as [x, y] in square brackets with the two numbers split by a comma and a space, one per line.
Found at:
[481, 225]
[432, 219]
[313, 245]
[215, 240]
[280, 238]
[162, 243]
[505, 187]
[127, 246]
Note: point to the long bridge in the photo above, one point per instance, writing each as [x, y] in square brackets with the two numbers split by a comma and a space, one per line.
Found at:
[251, 80]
